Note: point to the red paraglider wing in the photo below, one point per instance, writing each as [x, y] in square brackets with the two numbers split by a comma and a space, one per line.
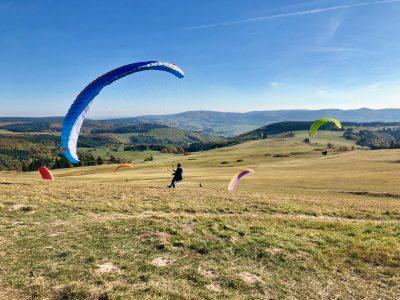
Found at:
[46, 174]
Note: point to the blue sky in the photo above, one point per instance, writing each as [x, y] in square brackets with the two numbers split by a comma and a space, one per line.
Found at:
[238, 55]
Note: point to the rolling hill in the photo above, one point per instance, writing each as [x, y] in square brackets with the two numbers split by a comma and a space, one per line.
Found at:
[117, 138]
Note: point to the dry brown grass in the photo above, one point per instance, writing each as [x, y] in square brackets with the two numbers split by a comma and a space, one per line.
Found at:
[302, 226]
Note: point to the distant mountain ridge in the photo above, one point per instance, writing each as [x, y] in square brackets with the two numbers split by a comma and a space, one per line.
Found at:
[231, 123]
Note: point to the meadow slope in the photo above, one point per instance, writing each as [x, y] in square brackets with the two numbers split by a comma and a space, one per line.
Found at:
[303, 226]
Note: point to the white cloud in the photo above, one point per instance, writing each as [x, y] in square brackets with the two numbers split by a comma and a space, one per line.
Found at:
[323, 93]
[274, 85]
[331, 30]
[323, 49]
[375, 87]
[291, 14]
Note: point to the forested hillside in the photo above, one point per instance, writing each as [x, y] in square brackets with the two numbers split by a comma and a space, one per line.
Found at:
[26, 145]
[380, 136]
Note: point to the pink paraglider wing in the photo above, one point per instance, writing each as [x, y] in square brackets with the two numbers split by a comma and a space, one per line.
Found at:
[235, 179]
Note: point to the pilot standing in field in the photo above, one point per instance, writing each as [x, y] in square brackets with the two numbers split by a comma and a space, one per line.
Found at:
[178, 175]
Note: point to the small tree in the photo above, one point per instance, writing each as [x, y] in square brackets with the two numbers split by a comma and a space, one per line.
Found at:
[173, 150]
[100, 161]
[18, 168]
[150, 158]
[24, 167]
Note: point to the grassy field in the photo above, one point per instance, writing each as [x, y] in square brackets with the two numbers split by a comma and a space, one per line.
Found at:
[5, 131]
[130, 156]
[303, 226]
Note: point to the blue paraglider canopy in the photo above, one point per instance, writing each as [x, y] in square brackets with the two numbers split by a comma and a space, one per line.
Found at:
[79, 109]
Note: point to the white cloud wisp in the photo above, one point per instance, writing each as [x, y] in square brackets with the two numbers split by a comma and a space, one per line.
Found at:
[291, 14]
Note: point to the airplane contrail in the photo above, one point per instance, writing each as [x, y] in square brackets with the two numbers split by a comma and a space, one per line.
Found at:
[292, 14]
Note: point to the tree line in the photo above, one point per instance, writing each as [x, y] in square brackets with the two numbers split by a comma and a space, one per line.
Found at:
[60, 162]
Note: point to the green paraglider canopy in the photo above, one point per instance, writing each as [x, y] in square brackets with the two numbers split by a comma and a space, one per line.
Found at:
[318, 123]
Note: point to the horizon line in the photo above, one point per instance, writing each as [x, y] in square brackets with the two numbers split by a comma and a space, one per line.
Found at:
[202, 110]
